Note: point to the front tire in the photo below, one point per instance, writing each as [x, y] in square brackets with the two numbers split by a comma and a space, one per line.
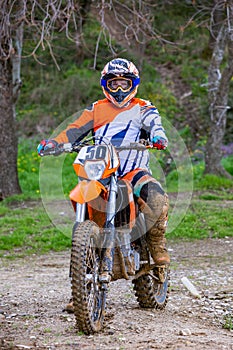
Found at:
[89, 296]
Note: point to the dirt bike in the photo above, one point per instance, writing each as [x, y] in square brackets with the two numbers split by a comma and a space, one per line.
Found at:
[108, 219]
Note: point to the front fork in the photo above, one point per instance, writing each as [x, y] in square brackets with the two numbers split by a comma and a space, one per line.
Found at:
[80, 212]
[108, 233]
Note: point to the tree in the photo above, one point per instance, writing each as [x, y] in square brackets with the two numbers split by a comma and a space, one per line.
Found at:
[219, 76]
[217, 17]
[40, 20]
[10, 52]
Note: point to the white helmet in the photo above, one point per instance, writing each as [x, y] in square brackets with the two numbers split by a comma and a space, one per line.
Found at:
[120, 68]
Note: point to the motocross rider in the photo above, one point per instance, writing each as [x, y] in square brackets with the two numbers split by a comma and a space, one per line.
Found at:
[123, 118]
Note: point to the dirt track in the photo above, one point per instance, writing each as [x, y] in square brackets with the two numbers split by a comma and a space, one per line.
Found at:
[34, 290]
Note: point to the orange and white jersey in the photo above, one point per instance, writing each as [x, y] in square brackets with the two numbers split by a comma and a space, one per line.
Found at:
[120, 126]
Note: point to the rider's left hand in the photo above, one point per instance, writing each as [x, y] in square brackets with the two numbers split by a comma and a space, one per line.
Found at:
[159, 142]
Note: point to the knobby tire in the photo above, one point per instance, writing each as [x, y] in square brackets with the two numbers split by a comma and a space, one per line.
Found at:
[150, 293]
[88, 297]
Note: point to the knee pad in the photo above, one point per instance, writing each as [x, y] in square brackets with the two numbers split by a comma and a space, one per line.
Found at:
[150, 190]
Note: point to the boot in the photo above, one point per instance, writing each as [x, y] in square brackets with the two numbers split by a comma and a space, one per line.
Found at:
[130, 266]
[156, 216]
[156, 242]
[69, 307]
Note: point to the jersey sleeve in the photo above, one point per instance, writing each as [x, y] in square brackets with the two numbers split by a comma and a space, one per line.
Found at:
[151, 121]
[77, 130]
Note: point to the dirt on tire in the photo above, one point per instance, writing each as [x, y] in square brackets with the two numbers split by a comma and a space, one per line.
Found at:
[34, 291]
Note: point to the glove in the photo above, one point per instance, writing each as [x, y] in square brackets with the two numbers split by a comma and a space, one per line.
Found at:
[159, 142]
[46, 145]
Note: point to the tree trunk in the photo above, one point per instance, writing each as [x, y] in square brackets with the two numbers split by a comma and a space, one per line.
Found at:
[9, 184]
[16, 62]
[217, 19]
[218, 115]
[84, 9]
[213, 153]
[218, 92]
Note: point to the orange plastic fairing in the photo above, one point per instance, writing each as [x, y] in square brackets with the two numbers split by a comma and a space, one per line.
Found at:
[86, 191]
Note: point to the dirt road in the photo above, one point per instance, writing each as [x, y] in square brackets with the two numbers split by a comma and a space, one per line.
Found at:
[34, 290]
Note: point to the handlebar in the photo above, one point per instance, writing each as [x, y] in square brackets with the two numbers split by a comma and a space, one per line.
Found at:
[142, 145]
[135, 146]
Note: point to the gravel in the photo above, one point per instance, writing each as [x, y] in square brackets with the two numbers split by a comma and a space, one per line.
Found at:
[34, 291]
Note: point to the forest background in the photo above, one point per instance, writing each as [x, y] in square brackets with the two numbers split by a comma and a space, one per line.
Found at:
[62, 77]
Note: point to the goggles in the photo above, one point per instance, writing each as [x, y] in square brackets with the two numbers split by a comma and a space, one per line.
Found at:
[121, 83]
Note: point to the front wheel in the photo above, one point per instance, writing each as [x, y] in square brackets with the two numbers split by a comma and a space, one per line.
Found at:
[89, 296]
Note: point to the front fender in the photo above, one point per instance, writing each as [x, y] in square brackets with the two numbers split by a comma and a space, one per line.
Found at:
[85, 191]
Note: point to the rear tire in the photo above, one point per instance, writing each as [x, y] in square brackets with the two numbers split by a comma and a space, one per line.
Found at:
[89, 296]
[151, 293]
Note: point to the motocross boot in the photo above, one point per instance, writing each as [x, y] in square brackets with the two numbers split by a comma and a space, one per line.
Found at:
[155, 210]
[69, 307]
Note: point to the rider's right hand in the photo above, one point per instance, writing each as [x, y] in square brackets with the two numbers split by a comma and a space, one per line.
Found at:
[46, 145]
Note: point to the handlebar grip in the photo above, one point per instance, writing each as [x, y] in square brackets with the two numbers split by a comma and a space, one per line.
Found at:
[49, 152]
[63, 148]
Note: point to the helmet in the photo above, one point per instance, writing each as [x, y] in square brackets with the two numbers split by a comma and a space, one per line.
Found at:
[123, 70]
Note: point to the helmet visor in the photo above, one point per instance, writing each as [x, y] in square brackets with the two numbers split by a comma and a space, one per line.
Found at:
[121, 83]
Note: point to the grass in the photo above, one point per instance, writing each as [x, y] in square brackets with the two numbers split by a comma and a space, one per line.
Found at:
[228, 322]
[25, 229]
[205, 219]
[28, 168]
[216, 195]
[212, 182]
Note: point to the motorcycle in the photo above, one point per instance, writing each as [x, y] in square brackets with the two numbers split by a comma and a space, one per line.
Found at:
[108, 220]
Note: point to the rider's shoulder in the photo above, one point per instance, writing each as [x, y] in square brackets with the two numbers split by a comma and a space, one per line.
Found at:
[92, 106]
[142, 102]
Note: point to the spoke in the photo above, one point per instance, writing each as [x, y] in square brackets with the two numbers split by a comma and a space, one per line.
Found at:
[91, 256]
